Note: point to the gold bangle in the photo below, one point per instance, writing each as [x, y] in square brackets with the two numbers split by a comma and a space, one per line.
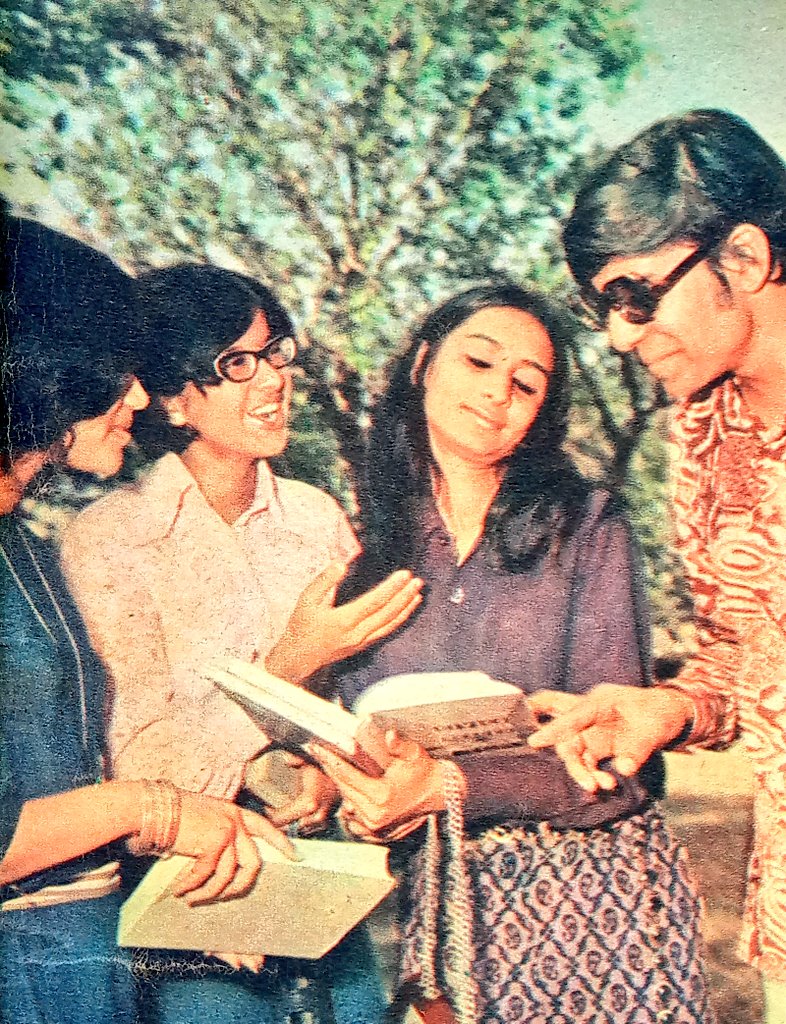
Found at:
[161, 812]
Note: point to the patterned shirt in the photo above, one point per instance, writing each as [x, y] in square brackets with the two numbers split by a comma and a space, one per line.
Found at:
[166, 586]
[730, 507]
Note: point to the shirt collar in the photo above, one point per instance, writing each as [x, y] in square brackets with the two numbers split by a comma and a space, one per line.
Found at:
[724, 411]
[736, 416]
[173, 492]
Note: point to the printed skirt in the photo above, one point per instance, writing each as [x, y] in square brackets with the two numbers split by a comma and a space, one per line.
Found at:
[568, 927]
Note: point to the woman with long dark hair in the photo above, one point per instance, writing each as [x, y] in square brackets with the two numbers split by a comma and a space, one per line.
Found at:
[544, 905]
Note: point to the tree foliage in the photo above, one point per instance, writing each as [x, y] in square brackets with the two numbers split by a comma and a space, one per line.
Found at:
[366, 160]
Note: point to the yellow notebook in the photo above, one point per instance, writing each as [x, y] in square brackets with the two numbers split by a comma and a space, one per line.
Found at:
[296, 908]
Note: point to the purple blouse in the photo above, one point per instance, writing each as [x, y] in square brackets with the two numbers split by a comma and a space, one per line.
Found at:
[577, 621]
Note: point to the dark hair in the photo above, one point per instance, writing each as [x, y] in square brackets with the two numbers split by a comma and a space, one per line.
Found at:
[686, 178]
[541, 497]
[191, 312]
[68, 335]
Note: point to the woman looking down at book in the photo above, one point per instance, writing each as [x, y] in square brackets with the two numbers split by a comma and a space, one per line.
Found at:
[69, 398]
[545, 906]
[211, 554]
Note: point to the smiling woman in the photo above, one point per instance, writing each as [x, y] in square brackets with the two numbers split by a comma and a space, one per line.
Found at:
[69, 398]
[487, 383]
[98, 445]
[546, 906]
[211, 554]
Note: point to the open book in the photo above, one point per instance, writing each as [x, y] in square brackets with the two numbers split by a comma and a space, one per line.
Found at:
[448, 713]
[296, 908]
[293, 717]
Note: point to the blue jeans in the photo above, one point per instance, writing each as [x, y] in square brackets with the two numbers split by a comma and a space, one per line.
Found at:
[344, 987]
[61, 965]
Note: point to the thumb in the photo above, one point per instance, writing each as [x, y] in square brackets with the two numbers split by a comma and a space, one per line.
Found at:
[258, 825]
[565, 726]
[550, 703]
[326, 583]
[398, 746]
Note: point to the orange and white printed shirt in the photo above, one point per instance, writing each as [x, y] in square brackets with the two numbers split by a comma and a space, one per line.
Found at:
[730, 510]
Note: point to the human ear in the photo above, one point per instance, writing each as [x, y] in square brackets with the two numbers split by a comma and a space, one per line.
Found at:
[175, 412]
[417, 365]
[15, 478]
[746, 256]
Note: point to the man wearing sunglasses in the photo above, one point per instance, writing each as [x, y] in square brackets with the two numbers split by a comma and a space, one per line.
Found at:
[678, 245]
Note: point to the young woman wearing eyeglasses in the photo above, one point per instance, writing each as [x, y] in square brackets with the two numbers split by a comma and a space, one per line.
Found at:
[69, 398]
[210, 554]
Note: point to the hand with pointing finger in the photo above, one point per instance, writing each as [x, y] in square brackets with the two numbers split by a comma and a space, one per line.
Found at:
[318, 633]
[623, 725]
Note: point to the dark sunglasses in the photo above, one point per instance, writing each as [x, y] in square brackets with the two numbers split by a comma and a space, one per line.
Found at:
[238, 365]
[636, 300]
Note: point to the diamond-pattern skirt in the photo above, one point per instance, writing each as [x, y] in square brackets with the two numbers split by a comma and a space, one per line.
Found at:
[573, 927]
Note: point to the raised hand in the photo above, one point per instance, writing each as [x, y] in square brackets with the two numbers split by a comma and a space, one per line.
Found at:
[621, 724]
[217, 834]
[319, 634]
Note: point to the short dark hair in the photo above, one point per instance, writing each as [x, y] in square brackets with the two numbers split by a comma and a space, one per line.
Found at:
[541, 497]
[68, 334]
[692, 177]
[191, 312]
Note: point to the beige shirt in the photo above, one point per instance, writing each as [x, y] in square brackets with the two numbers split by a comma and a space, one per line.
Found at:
[166, 586]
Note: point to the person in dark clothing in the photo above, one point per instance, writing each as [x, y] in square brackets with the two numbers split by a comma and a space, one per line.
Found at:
[546, 903]
[70, 398]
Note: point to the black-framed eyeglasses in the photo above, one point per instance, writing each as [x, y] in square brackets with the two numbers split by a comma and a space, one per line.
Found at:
[636, 300]
[238, 365]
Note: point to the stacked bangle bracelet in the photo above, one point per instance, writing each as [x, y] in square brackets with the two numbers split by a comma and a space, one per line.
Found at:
[161, 809]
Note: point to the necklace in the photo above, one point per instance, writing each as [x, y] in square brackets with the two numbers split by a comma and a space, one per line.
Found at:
[59, 617]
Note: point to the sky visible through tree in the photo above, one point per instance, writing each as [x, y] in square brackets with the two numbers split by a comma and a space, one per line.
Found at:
[706, 53]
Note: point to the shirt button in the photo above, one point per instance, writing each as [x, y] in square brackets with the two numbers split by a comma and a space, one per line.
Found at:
[457, 597]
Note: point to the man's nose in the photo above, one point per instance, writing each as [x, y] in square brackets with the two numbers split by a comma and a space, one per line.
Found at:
[623, 335]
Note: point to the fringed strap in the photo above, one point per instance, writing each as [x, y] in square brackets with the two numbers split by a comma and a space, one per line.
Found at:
[449, 904]
[431, 896]
[457, 901]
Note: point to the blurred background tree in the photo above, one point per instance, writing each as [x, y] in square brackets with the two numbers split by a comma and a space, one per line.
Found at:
[366, 160]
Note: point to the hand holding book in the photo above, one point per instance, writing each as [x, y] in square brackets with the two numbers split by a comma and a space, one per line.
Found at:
[390, 807]
[310, 808]
[299, 909]
[229, 862]
[447, 713]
